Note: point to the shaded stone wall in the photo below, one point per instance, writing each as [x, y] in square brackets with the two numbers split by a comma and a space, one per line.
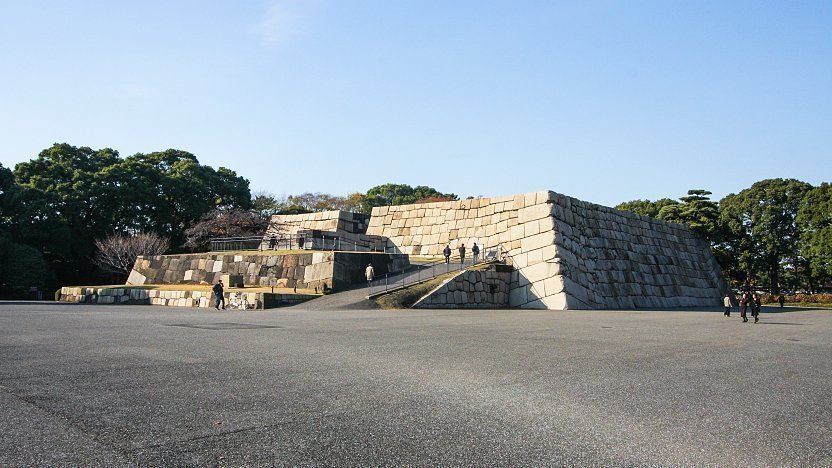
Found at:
[469, 290]
[303, 270]
[568, 254]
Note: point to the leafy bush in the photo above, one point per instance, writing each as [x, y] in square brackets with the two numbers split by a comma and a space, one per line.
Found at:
[23, 268]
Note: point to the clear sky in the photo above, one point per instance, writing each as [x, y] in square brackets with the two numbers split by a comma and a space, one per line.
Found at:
[604, 101]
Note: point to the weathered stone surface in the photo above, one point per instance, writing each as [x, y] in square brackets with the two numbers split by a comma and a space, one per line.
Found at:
[469, 290]
[570, 253]
[302, 270]
[234, 300]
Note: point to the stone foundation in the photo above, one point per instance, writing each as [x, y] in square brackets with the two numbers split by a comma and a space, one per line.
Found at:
[234, 300]
[302, 270]
[469, 290]
[568, 254]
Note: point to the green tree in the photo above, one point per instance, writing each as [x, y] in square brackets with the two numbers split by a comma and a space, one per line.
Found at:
[761, 222]
[401, 194]
[815, 220]
[646, 207]
[697, 211]
[72, 196]
[23, 267]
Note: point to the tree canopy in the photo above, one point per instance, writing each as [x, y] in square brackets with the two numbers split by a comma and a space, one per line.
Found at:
[69, 197]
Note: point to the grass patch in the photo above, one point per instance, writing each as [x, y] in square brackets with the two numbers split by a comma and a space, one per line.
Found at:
[406, 297]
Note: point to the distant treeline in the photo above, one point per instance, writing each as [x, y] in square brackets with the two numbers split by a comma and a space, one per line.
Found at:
[59, 209]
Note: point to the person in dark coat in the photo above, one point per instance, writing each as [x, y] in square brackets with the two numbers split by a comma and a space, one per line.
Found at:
[462, 253]
[756, 305]
[219, 297]
[781, 300]
[744, 307]
[272, 242]
[447, 253]
[475, 251]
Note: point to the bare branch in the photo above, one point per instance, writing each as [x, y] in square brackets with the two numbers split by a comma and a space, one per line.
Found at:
[117, 253]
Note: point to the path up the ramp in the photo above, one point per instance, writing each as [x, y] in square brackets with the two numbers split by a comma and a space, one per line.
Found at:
[351, 299]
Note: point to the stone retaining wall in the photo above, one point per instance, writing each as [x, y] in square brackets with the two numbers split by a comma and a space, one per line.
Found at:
[350, 228]
[469, 290]
[568, 254]
[234, 300]
[302, 270]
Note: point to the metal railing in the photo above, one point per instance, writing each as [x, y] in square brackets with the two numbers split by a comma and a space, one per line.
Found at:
[430, 270]
[301, 242]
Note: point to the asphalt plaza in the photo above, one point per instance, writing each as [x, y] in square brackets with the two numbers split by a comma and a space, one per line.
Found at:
[142, 385]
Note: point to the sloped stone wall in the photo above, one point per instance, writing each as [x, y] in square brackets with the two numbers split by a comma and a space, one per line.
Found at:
[303, 270]
[568, 254]
[469, 290]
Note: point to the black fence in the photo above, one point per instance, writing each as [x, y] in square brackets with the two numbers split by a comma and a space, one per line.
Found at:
[298, 242]
[425, 271]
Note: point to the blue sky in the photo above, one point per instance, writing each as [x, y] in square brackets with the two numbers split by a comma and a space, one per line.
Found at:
[605, 101]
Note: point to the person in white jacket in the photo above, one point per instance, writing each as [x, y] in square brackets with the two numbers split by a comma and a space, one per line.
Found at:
[726, 301]
[369, 273]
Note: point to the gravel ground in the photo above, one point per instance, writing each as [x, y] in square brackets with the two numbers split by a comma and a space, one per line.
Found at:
[133, 385]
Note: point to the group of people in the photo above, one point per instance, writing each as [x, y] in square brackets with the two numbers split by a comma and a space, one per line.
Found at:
[475, 251]
[752, 301]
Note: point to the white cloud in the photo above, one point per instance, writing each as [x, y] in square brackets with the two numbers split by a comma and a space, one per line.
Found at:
[282, 20]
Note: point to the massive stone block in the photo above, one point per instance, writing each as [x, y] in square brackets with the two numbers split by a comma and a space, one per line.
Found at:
[344, 230]
[302, 270]
[569, 254]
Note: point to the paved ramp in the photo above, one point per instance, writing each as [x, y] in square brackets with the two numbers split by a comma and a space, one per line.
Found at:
[351, 299]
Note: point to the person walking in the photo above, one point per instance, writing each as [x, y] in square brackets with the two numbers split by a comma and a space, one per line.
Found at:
[755, 307]
[462, 254]
[219, 296]
[726, 301]
[781, 300]
[475, 251]
[272, 242]
[447, 253]
[744, 307]
[369, 273]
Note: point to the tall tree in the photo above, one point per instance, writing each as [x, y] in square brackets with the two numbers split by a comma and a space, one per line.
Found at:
[697, 211]
[762, 224]
[71, 196]
[815, 219]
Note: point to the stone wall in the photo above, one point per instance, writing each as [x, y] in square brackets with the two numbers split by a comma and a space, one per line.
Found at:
[349, 228]
[568, 254]
[302, 270]
[234, 300]
[469, 290]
